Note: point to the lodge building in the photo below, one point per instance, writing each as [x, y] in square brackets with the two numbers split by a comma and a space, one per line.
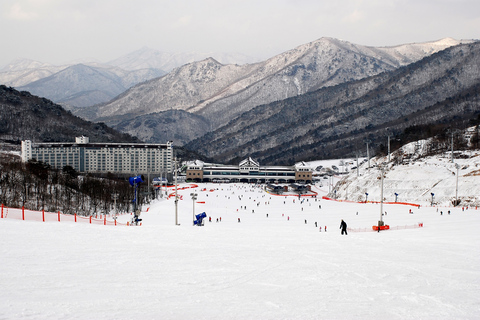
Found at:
[87, 157]
[249, 170]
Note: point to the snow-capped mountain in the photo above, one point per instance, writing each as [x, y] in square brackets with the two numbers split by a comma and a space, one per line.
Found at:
[84, 85]
[220, 93]
[150, 58]
[332, 121]
[23, 64]
[24, 71]
[133, 68]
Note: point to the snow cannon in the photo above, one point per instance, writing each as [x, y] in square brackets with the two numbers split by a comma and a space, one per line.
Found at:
[200, 217]
[136, 180]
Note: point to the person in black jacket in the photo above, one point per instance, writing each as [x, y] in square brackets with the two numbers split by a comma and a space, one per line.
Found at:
[343, 226]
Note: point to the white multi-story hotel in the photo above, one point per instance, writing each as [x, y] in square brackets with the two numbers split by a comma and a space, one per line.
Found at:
[84, 156]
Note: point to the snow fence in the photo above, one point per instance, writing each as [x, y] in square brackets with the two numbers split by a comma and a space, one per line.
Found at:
[44, 216]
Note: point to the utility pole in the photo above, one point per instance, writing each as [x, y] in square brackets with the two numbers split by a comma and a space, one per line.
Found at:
[176, 193]
[368, 154]
[115, 197]
[452, 146]
[194, 197]
[456, 188]
[357, 165]
[388, 147]
[380, 222]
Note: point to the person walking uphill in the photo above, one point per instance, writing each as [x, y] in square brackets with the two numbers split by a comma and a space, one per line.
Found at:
[343, 226]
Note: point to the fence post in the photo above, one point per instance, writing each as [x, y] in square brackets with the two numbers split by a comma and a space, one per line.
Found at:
[75, 217]
[104, 220]
[43, 215]
[58, 216]
[90, 219]
[23, 213]
[2, 210]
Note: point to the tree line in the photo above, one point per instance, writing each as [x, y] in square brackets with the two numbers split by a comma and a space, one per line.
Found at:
[36, 186]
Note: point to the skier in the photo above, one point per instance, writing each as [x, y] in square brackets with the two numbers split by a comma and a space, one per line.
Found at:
[343, 226]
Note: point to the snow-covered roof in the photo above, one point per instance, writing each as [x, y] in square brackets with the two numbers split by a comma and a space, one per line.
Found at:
[302, 164]
[249, 162]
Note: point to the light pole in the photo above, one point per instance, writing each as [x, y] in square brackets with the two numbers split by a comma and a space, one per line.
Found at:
[388, 147]
[368, 155]
[161, 184]
[176, 193]
[115, 197]
[357, 164]
[194, 197]
[456, 187]
[380, 222]
[452, 147]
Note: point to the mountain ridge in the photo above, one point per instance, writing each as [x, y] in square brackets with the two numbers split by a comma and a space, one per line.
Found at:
[300, 126]
[234, 89]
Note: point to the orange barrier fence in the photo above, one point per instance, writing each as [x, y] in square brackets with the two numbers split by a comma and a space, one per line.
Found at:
[374, 228]
[349, 201]
[44, 216]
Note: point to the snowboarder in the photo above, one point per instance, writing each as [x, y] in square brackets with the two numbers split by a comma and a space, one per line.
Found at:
[343, 226]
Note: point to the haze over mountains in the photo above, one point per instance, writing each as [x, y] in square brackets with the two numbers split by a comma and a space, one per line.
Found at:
[86, 83]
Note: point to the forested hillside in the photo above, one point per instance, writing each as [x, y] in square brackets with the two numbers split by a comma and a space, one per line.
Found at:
[337, 121]
[25, 116]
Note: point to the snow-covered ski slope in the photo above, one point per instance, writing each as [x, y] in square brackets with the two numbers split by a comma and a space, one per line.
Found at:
[417, 177]
[275, 267]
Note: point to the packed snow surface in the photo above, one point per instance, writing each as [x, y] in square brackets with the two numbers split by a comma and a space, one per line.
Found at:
[278, 266]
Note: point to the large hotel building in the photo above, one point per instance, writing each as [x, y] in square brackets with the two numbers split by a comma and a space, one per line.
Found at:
[87, 157]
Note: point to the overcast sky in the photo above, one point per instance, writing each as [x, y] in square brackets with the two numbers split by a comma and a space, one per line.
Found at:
[59, 31]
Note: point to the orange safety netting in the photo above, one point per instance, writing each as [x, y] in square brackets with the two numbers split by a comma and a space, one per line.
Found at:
[45, 216]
